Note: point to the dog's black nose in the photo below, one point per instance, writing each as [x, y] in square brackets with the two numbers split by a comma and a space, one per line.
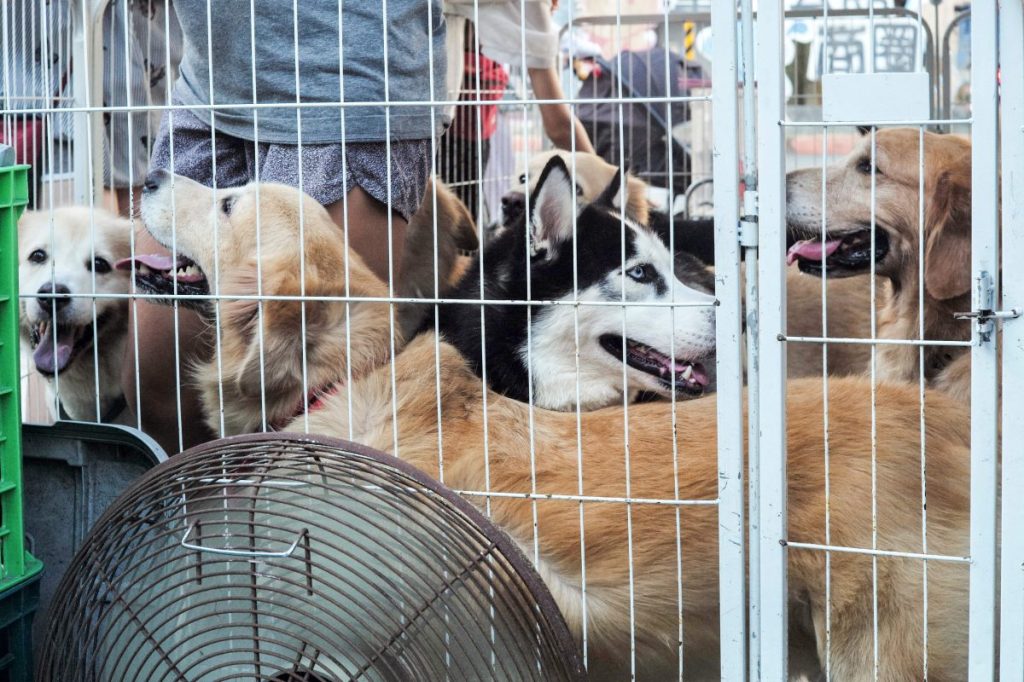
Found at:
[56, 296]
[512, 206]
[155, 179]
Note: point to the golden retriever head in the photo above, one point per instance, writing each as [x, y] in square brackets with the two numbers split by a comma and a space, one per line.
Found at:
[245, 258]
[593, 174]
[66, 257]
[847, 200]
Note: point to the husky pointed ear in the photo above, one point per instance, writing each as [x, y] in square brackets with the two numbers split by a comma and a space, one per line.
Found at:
[614, 195]
[552, 207]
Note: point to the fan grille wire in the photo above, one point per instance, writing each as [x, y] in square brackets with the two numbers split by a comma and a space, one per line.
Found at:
[300, 558]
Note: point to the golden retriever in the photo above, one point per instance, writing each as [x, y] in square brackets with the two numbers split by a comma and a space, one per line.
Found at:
[77, 339]
[849, 304]
[345, 389]
[945, 231]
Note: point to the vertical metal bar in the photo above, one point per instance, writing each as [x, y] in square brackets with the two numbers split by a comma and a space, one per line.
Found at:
[748, 240]
[731, 561]
[984, 399]
[1011, 628]
[87, 50]
[771, 365]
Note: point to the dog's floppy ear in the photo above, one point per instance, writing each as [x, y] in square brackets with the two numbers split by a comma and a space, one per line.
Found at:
[280, 344]
[947, 255]
[552, 207]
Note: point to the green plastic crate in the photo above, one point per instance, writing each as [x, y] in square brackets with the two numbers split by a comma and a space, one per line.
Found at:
[18, 607]
[16, 565]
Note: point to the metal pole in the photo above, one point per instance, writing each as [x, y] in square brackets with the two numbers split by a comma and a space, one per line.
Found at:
[748, 240]
[1011, 629]
[731, 561]
[984, 399]
[771, 359]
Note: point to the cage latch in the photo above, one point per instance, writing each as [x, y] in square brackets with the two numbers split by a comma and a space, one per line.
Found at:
[986, 315]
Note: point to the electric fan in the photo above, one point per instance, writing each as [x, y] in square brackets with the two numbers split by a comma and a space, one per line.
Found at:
[270, 557]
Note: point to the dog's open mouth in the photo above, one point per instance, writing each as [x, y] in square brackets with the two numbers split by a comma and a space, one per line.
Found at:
[849, 254]
[54, 349]
[690, 377]
[158, 274]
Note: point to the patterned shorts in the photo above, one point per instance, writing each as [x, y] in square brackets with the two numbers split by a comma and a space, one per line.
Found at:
[329, 171]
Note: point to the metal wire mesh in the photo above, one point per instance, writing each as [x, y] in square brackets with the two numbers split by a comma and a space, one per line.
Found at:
[264, 557]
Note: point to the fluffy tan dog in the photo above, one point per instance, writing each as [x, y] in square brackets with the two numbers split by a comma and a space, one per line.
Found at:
[347, 387]
[946, 235]
[76, 339]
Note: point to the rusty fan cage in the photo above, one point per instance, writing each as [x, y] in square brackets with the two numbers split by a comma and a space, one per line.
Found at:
[270, 557]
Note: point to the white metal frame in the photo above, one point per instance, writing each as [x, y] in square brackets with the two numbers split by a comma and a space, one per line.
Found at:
[1011, 596]
[772, 124]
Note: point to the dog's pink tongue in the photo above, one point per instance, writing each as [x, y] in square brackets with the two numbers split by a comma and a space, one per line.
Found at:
[151, 260]
[811, 249]
[50, 358]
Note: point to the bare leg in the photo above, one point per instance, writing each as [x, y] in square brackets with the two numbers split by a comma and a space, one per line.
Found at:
[128, 200]
[155, 387]
[368, 231]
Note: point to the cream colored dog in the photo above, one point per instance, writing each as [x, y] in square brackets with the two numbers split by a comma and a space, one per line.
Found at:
[639, 584]
[76, 338]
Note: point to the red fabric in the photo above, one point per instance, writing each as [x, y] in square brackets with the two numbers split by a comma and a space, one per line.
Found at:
[27, 137]
[493, 81]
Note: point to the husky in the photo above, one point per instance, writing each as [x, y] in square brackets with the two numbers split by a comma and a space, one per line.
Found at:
[535, 352]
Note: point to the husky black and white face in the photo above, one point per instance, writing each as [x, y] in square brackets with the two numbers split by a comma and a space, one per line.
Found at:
[638, 327]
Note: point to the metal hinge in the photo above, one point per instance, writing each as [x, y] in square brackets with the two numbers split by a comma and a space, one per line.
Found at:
[985, 315]
[748, 221]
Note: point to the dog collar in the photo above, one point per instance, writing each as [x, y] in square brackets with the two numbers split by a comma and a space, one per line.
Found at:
[312, 402]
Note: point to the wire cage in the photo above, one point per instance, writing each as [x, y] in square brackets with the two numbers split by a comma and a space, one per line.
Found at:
[793, 290]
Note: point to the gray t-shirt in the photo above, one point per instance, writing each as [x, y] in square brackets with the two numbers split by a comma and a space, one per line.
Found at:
[228, 58]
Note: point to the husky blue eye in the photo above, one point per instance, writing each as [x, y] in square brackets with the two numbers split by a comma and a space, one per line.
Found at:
[641, 273]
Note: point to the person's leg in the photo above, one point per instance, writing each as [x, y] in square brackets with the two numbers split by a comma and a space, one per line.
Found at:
[128, 200]
[368, 230]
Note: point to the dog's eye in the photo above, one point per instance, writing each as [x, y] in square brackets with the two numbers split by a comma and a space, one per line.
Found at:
[99, 265]
[642, 273]
[37, 256]
[579, 191]
[865, 167]
[522, 179]
[226, 204]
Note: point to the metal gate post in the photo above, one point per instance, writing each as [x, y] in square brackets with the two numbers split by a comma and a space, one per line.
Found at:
[984, 398]
[731, 526]
[772, 361]
[1011, 594]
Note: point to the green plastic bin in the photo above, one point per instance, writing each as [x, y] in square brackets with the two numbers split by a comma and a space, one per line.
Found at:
[16, 565]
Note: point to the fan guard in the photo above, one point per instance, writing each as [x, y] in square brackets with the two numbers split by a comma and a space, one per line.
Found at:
[269, 557]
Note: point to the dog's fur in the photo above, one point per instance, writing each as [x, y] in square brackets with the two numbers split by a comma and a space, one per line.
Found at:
[533, 352]
[946, 234]
[451, 229]
[656, 566]
[56, 254]
[849, 303]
